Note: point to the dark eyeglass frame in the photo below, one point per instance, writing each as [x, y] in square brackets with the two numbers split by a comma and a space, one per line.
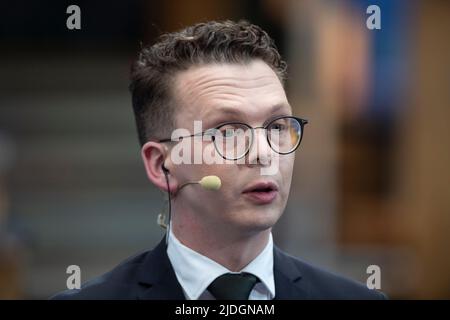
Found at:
[302, 123]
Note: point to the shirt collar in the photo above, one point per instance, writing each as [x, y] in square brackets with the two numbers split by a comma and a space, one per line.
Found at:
[195, 272]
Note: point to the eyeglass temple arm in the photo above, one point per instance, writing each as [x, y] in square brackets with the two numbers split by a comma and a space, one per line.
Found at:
[182, 137]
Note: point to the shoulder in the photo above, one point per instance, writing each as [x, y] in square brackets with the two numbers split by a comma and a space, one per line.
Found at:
[119, 283]
[323, 284]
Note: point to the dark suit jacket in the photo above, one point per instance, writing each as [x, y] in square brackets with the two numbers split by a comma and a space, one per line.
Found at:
[150, 275]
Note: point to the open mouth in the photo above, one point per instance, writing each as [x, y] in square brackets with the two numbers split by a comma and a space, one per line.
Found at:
[261, 193]
[268, 189]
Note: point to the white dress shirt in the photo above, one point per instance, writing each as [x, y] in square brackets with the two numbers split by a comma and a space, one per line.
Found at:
[195, 272]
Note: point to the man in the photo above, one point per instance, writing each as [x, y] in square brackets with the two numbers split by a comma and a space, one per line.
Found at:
[218, 244]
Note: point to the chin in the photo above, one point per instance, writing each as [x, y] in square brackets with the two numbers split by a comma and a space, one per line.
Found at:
[259, 220]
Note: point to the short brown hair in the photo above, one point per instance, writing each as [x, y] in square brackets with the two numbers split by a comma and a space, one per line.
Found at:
[203, 43]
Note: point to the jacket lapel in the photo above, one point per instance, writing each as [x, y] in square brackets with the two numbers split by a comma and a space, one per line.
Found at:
[156, 277]
[288, 279]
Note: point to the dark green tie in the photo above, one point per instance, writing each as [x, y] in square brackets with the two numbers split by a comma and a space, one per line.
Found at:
[233, 286]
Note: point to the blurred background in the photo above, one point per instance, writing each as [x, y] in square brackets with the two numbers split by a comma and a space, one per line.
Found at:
[371, 184]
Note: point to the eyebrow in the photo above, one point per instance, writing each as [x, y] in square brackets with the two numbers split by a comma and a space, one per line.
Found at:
[221, 111]
[275, 108]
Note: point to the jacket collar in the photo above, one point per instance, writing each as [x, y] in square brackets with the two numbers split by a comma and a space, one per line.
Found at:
[157, 279]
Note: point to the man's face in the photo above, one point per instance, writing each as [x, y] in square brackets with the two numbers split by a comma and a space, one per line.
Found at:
[218, 93]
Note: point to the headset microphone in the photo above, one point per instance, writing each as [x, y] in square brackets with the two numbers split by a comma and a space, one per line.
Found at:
[207, 183]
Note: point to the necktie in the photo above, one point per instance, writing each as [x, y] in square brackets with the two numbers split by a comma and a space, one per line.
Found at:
[233, 286]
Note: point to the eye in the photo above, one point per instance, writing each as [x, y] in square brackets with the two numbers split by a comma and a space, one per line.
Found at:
[227, 132]
[278, 126]
[231, 130]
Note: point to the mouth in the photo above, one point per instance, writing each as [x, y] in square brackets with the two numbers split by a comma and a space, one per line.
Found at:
[261, 192]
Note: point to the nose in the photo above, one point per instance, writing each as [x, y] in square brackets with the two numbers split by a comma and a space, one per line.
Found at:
[260, 152]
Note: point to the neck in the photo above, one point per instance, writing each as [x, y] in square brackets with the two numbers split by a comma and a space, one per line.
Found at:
[232, 249]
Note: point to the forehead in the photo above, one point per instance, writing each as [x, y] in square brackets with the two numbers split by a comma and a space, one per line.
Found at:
[249, 91]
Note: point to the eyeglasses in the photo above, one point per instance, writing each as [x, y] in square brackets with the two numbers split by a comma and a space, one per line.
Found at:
[233, 140]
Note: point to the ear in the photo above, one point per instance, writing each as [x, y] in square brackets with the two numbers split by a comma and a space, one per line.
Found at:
[154, 157]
